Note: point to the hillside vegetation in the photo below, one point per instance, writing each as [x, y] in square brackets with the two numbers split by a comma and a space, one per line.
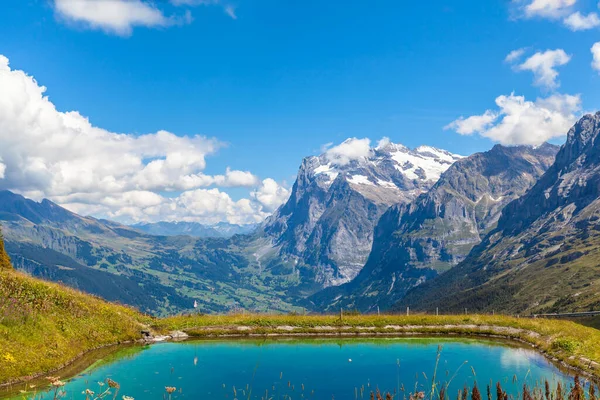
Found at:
[44, 325]
[4, 258]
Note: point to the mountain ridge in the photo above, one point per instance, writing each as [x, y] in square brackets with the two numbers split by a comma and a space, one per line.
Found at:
[414, 242]
[157, 274]
[329, 218]
[543, 254]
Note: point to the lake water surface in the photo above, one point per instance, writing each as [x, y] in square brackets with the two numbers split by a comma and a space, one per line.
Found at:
[312, 368]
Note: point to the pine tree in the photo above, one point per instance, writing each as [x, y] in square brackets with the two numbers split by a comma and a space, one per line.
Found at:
[4, 258]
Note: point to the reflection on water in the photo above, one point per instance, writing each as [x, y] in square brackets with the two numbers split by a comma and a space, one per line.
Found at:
[311, 369]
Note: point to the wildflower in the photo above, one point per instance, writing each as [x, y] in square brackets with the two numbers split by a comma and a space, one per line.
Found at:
[9, 358]
[88, 392]
[128, 398]
[170, 389]
[58, 383]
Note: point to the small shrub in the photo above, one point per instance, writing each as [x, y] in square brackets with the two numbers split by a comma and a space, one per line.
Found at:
[565, 344]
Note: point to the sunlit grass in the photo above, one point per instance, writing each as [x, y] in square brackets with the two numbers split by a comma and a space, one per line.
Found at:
[44, 326]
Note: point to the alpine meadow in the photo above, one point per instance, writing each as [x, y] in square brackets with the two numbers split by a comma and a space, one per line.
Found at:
[235, 199]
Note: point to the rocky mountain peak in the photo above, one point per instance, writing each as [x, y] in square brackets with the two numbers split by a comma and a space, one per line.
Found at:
[574, 178]
[327, 224]
[585, 130]
[414, 242]
[543, 255]
[387, 165]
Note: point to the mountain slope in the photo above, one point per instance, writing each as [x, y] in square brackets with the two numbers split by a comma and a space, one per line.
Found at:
[325, 230]
[45, 325]
[416, 241]
[157, 274]
[543, 256]
[220, 230]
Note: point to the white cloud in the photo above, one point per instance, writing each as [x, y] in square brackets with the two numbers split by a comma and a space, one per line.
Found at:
[113, 16]
[212, 206]
[472, 124]
[543, 65]
[62, 156]
[208, 206]
[551, 9]
[596, 56]
[234, 178]
[518, 121]
[514, 55]
[270, 194]
[349, 150]
[383, 143]
[121, 16]
[580, 22]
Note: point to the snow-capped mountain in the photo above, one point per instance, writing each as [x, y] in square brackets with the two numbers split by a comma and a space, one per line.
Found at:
[415, 242]
[326, 227]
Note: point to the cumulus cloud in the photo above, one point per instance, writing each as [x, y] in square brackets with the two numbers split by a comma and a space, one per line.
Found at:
[552, 9]
[383, 143]
[472, 124]
[580, 22]
[213, 206]
[270, 194]
[113, 16]
[120, 17]
[208, 206]
[518, 121]
[349, 150]
[543, 65]
[558, 10]
[596, 56]
[514, 55]
[62, 156]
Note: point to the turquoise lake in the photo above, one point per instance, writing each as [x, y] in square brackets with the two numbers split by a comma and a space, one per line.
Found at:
[312, 369]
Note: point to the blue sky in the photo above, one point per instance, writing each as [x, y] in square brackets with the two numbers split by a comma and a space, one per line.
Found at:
[277, 80]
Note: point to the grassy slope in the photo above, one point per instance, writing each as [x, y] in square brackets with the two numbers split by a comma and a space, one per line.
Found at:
[45, 325]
